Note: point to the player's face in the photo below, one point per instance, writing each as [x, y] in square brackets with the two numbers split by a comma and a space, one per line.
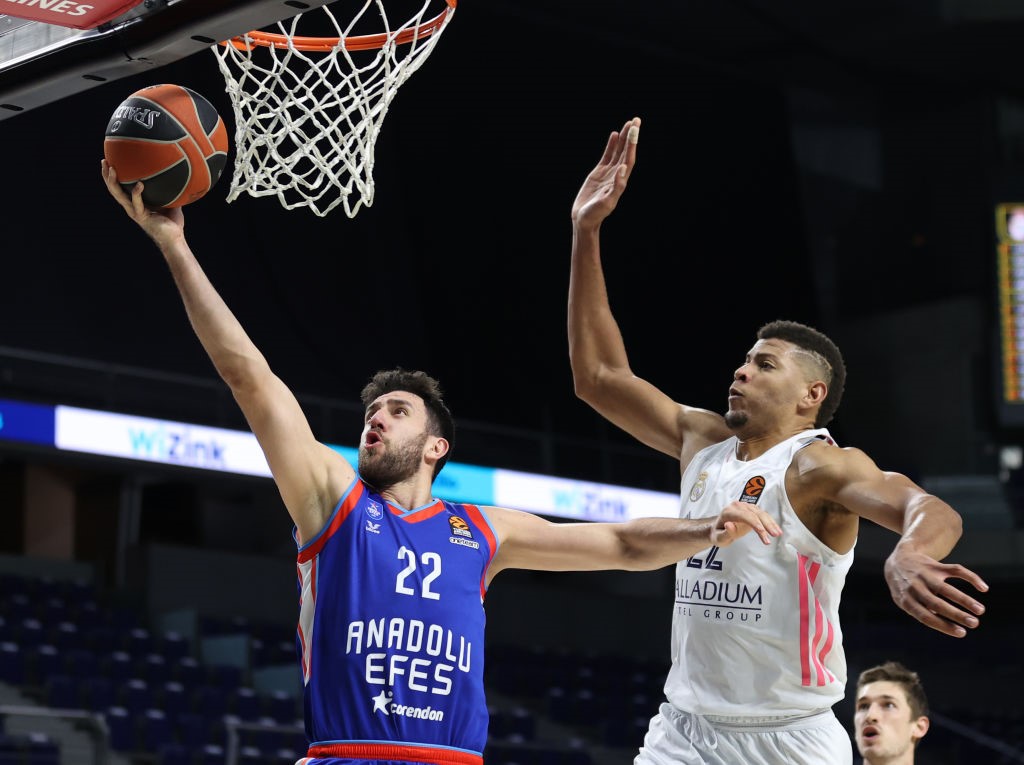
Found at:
[767, 385]
[884, 725]
[394, 435]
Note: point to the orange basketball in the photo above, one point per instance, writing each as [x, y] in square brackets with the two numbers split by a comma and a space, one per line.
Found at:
[170, 138]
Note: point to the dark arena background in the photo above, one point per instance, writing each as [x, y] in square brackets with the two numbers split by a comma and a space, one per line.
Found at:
[847, 165]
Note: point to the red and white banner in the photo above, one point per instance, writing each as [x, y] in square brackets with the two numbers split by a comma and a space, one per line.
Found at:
[68, 13]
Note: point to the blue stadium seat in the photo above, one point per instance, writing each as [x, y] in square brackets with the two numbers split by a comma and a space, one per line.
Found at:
[122, 733]
[251, 755]
[174, 699]
[11, 748]
[97, 692]
[43, 661]
[267, 738]
[136, 695]
[154, 729]
[86, 614]
[193, 731]
[139, 642]
[79, 591]
[80, 662]
[522, 723]
[99, 638]
[282, 707]
[61, 691]
[12, 664]
[41, 750]
[211, 754]
[245, 703]
[30, 632]
[174, 754]
[154, 668]
[173, 646]
[119, 667]
[19, 607]
[45, 587]
[226, 676]
[557, 704]
[53, 611]
[210, 700]
[189, 672]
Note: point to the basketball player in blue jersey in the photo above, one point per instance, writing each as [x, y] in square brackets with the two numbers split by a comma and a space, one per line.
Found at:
[392, 580]
[757, 655]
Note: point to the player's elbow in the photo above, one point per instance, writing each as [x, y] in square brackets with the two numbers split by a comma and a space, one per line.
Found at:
[241, 371]
[591, 384]
[637, 550]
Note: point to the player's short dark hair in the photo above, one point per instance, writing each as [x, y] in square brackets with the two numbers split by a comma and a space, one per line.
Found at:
[439, 419]
[894, 672]
[810, 339]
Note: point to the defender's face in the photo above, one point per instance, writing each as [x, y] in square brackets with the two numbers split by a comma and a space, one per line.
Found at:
[769, 383]
[884, 724]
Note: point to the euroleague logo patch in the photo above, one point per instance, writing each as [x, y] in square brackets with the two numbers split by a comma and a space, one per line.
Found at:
[461, 533]
[752, 491]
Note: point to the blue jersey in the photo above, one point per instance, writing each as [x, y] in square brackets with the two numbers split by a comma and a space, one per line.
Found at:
[391, 630]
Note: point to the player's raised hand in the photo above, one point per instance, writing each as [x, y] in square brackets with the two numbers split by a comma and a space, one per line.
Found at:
[161, 225]
[739, 518]
[601, 190]
[919, 586]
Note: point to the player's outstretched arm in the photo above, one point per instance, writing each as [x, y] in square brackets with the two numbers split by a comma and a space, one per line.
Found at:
[600, 367]
[929, 530]
[530, 542]
[310, 476]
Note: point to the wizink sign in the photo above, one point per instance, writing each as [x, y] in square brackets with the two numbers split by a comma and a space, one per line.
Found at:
[579, 499]
[170, 443]
[177, 445]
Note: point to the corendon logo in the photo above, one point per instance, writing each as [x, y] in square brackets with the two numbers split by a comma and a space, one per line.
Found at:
[382, 703]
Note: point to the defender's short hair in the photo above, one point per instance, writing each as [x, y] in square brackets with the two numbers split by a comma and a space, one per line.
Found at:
[819, 345]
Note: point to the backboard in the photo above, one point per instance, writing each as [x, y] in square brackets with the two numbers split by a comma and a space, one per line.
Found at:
[41, 62]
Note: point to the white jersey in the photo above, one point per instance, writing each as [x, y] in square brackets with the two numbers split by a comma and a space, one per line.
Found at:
[755, 629]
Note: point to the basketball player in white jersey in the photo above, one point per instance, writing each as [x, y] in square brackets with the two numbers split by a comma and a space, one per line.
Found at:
[757, 656]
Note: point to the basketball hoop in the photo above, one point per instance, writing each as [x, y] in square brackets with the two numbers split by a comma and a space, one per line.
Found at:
[308, 109]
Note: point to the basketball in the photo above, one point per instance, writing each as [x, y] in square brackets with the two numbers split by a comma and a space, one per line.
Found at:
[170, 138]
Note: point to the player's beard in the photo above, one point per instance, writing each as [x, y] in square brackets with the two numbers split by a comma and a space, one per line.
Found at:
[735, 420]
[392, 466]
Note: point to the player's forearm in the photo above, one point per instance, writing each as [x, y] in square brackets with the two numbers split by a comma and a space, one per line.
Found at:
[219, 332]
[930, 527]
[595, 342]
[650, 543]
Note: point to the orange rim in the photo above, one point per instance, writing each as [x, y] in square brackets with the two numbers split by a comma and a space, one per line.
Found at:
[327, 44]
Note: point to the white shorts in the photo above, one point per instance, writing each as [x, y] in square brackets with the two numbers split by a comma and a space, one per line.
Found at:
[681, 738]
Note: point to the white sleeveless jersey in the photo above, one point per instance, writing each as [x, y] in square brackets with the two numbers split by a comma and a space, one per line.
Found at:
[755, 629]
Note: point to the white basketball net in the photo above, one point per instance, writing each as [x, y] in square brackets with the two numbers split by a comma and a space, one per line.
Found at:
[306, 122]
